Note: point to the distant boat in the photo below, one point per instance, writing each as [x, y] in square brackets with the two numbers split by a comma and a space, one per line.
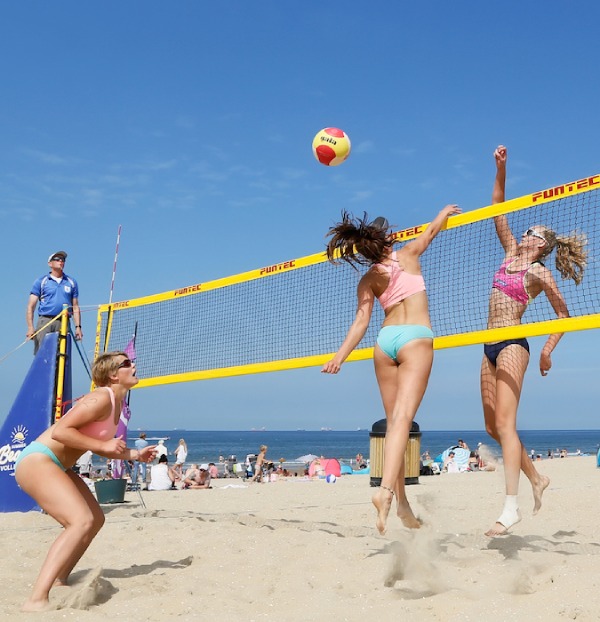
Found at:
[326, 429]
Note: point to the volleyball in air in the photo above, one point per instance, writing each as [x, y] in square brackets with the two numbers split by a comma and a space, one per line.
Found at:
[331, 146]
[330, 479]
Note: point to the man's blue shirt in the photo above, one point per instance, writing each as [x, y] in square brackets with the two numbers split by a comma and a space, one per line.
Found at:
[54, 295]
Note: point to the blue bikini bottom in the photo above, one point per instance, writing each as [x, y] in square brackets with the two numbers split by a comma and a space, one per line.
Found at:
[35, 447]
[392, 339]
[492, 350]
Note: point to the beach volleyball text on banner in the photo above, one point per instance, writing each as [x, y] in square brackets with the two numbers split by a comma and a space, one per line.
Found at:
[296, 313]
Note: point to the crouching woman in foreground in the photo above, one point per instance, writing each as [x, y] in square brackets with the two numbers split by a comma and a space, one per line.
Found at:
[43, 469]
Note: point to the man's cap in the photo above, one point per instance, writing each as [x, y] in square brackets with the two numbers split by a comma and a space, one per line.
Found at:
[381, 223]
[204, 467]
[62, 254]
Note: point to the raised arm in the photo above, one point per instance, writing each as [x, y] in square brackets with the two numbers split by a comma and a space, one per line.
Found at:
[421, 244]
[357, 330]
[509, 244]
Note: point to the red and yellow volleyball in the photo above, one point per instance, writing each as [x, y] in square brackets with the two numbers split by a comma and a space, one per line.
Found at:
[331, 146]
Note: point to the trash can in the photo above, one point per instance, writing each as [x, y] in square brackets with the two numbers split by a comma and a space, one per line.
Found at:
[110, 490]
[412, 457]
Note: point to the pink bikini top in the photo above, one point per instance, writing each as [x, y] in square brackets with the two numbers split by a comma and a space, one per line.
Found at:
[102, 430]
[402, 284]
[512, 284]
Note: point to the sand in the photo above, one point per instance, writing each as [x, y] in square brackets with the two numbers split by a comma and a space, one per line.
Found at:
[307, 550]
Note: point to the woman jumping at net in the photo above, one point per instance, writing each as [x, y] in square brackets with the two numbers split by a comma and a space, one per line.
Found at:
[520, 278]
[43, 469]
[404, 351]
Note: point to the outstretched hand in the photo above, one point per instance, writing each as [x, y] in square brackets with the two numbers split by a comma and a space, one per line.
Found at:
[450, 210]
[147, 454]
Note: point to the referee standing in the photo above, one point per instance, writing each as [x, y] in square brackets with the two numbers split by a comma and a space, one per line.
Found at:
[52, 291]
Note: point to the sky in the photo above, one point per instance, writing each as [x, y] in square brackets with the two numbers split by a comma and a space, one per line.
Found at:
[190, 125]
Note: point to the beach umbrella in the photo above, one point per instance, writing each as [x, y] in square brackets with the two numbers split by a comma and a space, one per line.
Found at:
[461, 456]
[307, 458]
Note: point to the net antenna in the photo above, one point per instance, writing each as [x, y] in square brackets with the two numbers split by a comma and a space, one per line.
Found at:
[114, 272]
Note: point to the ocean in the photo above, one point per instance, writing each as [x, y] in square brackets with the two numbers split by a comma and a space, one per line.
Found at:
[207, 446]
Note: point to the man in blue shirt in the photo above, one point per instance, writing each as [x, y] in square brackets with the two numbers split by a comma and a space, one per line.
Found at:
[52, 291]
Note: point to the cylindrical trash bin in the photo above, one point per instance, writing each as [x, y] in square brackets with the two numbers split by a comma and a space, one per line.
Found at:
[412, 457]
[110, 490]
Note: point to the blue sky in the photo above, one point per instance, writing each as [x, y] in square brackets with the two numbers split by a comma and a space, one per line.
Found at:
[190, 124]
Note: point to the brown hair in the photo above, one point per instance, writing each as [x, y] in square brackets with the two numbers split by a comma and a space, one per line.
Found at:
[571, 254]
[358, 241]
[104, 367]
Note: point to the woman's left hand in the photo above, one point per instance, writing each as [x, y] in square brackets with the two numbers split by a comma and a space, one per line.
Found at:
[331, 367]
[114, 447]
[545, 363]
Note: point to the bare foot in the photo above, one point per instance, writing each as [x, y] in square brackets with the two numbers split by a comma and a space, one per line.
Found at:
[382, 500]
[36, 605]
[405, 514]
[504, 523]
[538, 491]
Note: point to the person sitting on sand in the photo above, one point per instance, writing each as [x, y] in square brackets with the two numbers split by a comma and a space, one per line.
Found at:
[450, 465]
[162, 476]
[473, 464]
[319, 471]
[213, 470]
[200, 479]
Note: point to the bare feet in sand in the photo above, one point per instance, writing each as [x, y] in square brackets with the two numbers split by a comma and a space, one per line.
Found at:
[382, 500]
[504, 523]
[405, 514]
[36, 605]
[538, 491]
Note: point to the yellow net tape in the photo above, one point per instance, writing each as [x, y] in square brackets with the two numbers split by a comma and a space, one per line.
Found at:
[296, 313]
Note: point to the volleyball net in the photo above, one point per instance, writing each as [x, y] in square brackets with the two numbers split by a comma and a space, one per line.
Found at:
[296, 313]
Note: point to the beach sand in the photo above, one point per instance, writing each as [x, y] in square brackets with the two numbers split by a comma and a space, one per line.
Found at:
[301, 550]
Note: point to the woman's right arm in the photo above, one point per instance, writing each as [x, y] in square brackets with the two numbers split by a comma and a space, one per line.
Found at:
[357, 331]
[95, 406]
[503, 231]
[421, 244]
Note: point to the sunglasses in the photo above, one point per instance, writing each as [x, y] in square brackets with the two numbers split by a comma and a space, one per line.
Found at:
[535, 234]
[58, 259]
[125, 363]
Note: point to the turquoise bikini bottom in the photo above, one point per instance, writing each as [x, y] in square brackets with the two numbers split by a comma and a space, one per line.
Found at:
[35, 447]
[392, 339]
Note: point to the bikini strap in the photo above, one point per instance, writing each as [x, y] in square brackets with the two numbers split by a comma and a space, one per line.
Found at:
[112, 399]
